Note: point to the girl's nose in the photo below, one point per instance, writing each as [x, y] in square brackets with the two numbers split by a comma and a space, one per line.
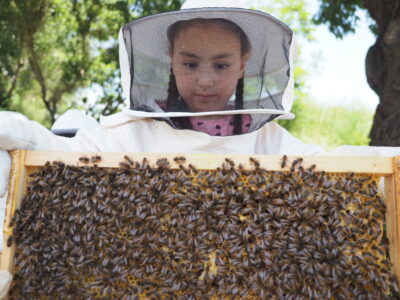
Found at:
[205, 79]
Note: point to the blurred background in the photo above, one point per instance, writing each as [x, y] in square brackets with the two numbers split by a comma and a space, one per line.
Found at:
[57, 55]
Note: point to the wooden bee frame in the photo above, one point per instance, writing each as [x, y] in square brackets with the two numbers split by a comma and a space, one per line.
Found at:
[24, 162]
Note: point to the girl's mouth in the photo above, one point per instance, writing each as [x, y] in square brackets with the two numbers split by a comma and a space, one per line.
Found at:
[205, 95]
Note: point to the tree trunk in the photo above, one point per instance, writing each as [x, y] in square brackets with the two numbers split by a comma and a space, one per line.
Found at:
[383, 71]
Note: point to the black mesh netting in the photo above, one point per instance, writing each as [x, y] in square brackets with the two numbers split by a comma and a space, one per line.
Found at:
[148, 60]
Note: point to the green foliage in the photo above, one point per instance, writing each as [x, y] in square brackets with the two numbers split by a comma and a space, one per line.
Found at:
[340, 15]
[292, 12]
[295, 14]
[10, 54]
[329, 126]
[151, 7]
[50, 50]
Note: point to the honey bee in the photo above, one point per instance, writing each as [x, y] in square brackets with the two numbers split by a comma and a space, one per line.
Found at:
[84, 159]
[294, 163]
[9, 241]
[162, 163]
[128, 160]
[124, 165]
[95, 159]
[284, 161]
[255, 162]
[193, 168]
[180, 160]
[230, 162]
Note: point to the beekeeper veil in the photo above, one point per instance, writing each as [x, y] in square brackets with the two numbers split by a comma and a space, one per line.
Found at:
[149, 83]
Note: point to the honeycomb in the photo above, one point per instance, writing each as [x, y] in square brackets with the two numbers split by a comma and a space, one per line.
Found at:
[142, 232]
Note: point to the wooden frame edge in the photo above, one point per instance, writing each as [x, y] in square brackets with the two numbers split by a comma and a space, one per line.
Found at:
[368, 165]
[15, 192]
[395, 212]
[388, 167]
[392, 222]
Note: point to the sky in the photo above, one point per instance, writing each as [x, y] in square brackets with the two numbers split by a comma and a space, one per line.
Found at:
[340, 76]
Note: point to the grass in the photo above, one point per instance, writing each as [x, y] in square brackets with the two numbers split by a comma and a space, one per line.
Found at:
[329, 126]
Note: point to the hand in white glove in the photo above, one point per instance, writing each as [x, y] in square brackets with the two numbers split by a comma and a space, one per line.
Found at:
[5, 166]
[5, 282]
[10, 138]
[15, 131]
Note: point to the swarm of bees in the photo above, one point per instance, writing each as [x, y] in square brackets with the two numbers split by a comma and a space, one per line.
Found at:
[142, 232]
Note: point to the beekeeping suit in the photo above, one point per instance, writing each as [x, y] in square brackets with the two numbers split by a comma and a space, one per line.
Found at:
[145, 126]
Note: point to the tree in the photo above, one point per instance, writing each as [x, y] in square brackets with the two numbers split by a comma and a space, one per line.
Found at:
[10, 54]
[295, 14]
[50, 49]
[382, 61]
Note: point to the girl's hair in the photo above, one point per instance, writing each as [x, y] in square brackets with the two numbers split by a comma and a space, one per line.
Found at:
[173, 98]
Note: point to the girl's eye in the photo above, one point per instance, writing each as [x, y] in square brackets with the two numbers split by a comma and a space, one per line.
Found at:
[190, 65]
[221, 66]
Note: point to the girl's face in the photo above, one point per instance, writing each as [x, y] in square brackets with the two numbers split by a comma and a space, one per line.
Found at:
[207, 64]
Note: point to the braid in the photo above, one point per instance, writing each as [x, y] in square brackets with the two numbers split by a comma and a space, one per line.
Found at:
[173, 94]
[237, 119]
[173, 98]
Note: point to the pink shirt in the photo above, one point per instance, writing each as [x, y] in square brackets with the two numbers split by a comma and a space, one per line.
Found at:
[222, 126]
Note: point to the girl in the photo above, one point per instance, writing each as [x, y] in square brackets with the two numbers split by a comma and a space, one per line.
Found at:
[208, 62]
[205, 79]
[205, 72]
